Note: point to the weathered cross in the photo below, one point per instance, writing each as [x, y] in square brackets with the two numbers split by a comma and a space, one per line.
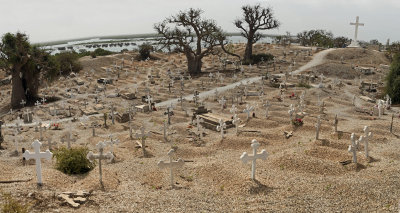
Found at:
[266, 106]
[169, 113]
[291, 112]
[366, 138]
[112, 114]
[233, 109]
[37, 155]
[354, 146]
[246, 157]
[236, 122]
[149, 100]
[143, 135]
[318, 126]
[336, 122]
[221, 127]
[112, 142]
[171, 165]
[198, 121]
[248, 110]
[90, 156]
[23, 102]
[222, 101]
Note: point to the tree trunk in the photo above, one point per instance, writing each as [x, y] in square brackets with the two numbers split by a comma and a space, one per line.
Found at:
[249, 50]
[18, 92]
[194, 64]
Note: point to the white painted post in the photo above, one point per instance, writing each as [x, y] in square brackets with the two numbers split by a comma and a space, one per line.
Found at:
[171, 165]
[246, 157]
[317, 126]
[37, 155]
[354, 146]
[236, 122]
[366, 138]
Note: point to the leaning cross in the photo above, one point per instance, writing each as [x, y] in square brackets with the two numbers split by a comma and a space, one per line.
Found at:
[221, 128]
[143, 135]
[248, 110]
[90, 156]
[37, 155]
[246, 157]
[171, 165]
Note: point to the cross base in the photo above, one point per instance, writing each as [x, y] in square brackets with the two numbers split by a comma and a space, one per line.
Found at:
[354, 44]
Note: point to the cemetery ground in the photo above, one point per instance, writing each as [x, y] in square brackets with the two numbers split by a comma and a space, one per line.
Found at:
[300, 174]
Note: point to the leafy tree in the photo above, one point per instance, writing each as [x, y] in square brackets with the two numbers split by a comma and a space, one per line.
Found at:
[393, 80]
[255, 18]
[340, 42]
[190, 34]
[392, 50]
[319, 38]
[25, 63]
[145, 50]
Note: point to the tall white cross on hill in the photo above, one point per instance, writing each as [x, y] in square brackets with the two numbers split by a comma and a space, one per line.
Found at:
[357, 24]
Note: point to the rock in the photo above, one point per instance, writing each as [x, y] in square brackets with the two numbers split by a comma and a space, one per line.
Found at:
[98, 107]
[80, 200]
[128, 96]
[79, 81]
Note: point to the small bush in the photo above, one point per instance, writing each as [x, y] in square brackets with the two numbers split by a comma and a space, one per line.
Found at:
[392, 87]
[10, 205]
[297, 122]
[257, 58]
[145, 50]
[73, 161]
[100, 52]
[305, 85]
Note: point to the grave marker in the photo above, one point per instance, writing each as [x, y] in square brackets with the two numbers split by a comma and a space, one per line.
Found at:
[171, 165]
[90, 156]
[221, 128]
[236, 122]
[246, 157]
[318, 126]
[143, 136]
[112, 142]
[37, 156]
[354, 146]
[366, 138]
[248, 110]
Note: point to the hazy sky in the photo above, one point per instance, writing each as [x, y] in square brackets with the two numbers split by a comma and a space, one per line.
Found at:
[49, 20]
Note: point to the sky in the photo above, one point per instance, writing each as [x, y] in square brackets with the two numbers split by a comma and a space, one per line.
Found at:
[52, 20]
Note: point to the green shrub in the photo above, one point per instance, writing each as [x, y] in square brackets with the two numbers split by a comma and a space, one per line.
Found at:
[393, 80]
[73, 161]
[257, 58]
[100, 52]
[10, 205]
[145, 50]
[305, 85]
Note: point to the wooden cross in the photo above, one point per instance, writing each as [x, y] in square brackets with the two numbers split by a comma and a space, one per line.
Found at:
[248, 110]
[169, 113]
[221, 128]
[143, 135]
[318, 126]
[90, 156]
[336, 122]
[181, 100]
[171, 165]
[246, 157]
[37, 156]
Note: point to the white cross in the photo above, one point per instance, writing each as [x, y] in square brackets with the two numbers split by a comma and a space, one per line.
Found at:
[236, 122]
[266, 105]
[112, 114]
[44, 100]
[380, 107]
[291, 111]
[222, 101]
[221, 128]
[366, 138]
[354, 146]
[149, 100]
[112, 142]
[198, 121]
[143, 135]
[246, 157]
[233, 109]
[357, 24]
[23, 102]
[37, 103]
[248, 110]
[318, 126]
[90, 156]
[165, 128]
[16, 140]
[49, 143]
[171, 165]
[27, 113]
[37, 155]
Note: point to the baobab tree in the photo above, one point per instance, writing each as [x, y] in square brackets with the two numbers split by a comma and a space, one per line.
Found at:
[189, 33]
[24, 63]
[255, 18]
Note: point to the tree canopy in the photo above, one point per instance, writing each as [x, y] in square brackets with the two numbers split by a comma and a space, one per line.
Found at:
[393, 80]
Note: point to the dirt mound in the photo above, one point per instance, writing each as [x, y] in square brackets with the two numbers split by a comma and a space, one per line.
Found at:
[343, 71]
[360, 56]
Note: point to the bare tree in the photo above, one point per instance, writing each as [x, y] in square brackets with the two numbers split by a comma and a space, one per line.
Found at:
[255, 18]
[188, 33]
